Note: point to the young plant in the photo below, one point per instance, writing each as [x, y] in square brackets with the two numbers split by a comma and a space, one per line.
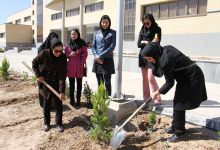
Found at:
[4, 69]
[87, 92]
[219, 135]
[100, 120]
[25, 75]
[152, 118]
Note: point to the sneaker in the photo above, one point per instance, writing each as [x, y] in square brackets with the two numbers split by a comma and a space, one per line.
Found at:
[169, 130]
[46, 128]
[175, 138]
[60, 129]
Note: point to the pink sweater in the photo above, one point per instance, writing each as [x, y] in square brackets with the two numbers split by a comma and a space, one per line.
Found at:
[75, 63]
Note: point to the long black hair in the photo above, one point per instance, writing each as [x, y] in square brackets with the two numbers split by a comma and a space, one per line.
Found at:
[105, 31]
[77, 43]
[152, 20]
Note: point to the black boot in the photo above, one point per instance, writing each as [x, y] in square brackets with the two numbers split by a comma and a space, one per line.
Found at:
[169, 130]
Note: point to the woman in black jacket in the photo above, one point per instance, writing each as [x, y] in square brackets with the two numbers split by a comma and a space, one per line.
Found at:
[150, 31]
[51, 65]
[190, 88]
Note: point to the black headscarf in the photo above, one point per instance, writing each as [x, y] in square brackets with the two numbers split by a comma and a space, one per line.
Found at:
[105, 31]
[54, 43]
[153, 49]
[47, 43]
[78, 43]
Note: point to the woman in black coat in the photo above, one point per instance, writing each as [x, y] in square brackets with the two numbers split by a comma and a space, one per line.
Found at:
[150, 32]
[190, 88]
[51, 66]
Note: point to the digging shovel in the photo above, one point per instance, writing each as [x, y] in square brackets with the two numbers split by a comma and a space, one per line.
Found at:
[119, 133]
[58, 95]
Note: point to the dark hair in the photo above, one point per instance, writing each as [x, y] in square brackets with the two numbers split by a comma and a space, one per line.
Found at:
[55, 43]
[77, 32]
[103, 18]
[47, 43]
[151, 18]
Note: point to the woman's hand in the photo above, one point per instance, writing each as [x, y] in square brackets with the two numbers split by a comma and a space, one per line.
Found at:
[155, 95]
[146, 42]
[40, 79]
[72, 54]
[62, 96]
[98, 60]
[156, 40]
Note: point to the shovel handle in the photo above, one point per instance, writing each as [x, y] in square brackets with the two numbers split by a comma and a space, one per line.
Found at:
[145, 103]
[58, 95]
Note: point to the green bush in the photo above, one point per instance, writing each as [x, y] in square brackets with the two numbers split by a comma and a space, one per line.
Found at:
[1, 50]
[152, 118]
[100, 120]
[219, 135]
[4, 69]
[25, 75]
[87, 92]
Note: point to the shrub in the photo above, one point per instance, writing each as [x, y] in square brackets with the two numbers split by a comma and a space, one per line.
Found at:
[100, 120]
[25, 75]
[219, 135]
[152, 118]
[4, 69]
[87, 92]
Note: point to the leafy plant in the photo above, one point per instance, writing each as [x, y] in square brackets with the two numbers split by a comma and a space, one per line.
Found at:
[219, 135]
[87, 92]
[25, 75]
[4, 69]
[100, 120]
[152, 118]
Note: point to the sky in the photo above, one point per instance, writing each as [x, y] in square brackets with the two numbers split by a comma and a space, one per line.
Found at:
[9, 7]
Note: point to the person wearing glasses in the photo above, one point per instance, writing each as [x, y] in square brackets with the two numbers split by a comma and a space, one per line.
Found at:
[76, 51]
[103, 45]
[150, 32]
[51, 66]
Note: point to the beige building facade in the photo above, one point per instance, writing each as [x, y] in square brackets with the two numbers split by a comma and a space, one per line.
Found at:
[190, 25]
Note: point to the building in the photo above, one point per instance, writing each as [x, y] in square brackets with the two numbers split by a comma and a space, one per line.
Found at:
[190, 25]
[28, 22]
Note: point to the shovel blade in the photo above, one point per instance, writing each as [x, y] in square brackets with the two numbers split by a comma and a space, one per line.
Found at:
[117, 138]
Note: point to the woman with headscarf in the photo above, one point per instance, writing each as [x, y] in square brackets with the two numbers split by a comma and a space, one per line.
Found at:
[190, 88]
[150, 32]
[46, 45]
[50, 65]
[76, 52]
[103, 44]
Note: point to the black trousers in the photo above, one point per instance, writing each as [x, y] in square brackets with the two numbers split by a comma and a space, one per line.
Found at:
[59, 110]
[105, 79]
[179, 121]
[72, 90]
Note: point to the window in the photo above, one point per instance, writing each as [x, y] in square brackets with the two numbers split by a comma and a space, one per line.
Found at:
[94, 7]
[32, 12]
[18, 21]
[56, 16]
[177, 8]
[2, 35]
[32, 31]
[32, 22]
[32, 2]
[72, 12]
[129, 20]
[28, 18]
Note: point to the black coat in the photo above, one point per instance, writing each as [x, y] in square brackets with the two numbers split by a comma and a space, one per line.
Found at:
[190, 88]
[146, 35]
[52, 69]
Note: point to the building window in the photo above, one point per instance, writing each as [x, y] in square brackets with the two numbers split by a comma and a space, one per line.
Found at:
[72, 12]
[32, 22]
[2, 35]
[28, 18]
[177, 8]
[32, 31]
[18, 21]
[94, 7]
[32, 2]
[56, 16]
[32, 12]
[90, 32]
[129, 20]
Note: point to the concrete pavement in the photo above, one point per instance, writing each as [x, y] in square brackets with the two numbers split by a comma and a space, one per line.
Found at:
[208, 114]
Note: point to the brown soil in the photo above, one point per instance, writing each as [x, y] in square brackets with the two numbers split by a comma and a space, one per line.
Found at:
[21, 126]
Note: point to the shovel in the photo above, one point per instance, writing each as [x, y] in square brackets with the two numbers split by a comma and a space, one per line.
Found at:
[119, 133]
[58, 95]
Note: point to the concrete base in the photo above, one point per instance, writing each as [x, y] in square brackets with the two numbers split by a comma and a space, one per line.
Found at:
[119, 109]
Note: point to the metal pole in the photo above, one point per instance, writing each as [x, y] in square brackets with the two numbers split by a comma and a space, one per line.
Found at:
[63, 23]
[81, 9]
[119, 48]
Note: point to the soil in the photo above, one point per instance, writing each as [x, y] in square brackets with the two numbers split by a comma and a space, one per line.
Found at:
[21, 126]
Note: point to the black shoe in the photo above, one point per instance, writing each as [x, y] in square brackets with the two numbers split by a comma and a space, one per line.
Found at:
[60, 129]
[175, 138]
[46, 128]
[169, 130]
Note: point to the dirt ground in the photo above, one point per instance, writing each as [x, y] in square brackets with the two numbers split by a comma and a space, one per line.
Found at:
[21, 126]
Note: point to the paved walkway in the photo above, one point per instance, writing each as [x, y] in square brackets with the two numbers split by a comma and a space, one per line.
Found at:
[208, 114]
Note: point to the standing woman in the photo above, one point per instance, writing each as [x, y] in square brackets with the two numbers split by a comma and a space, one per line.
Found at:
[50, 65]
[150, 31]
[76, 52]
[104, 41]
[46, 45]
[190, 87]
